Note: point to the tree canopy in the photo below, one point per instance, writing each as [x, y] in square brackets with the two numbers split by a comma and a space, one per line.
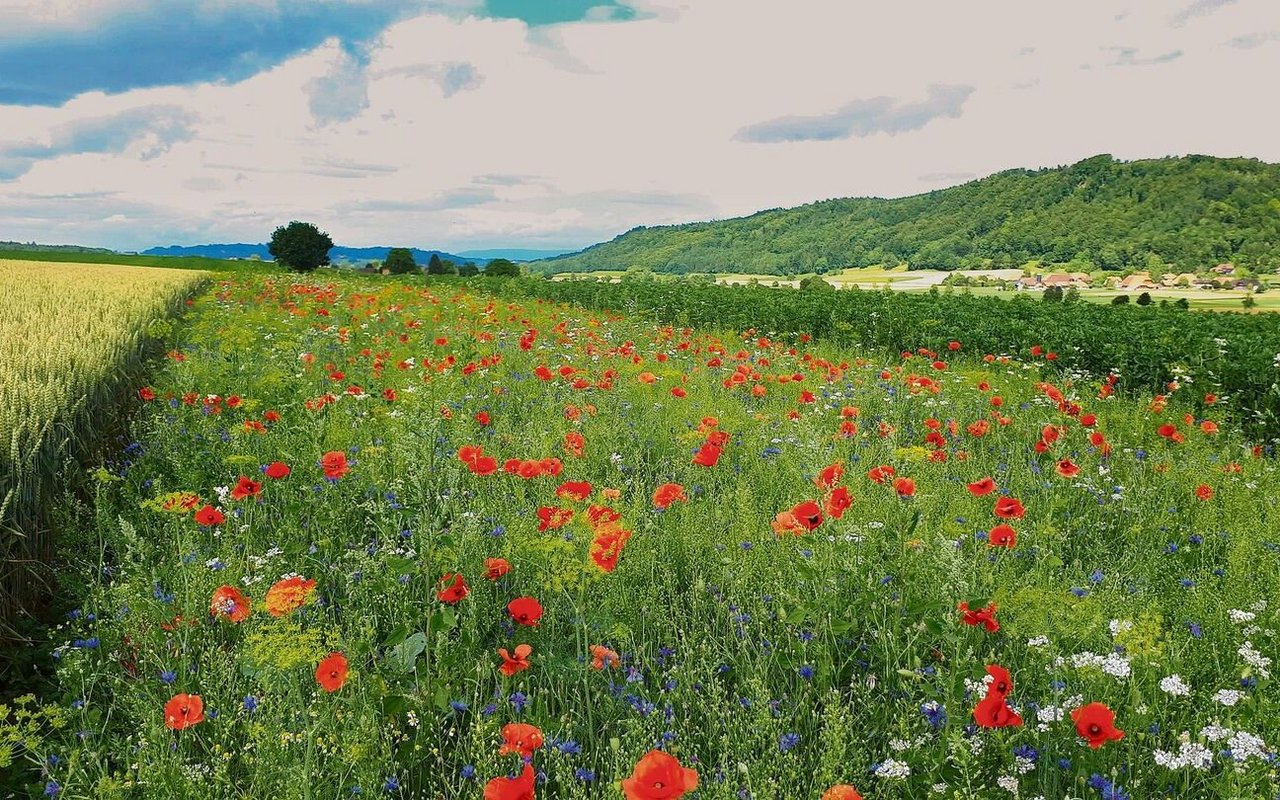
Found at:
[400, 261]
[300, 246]
[501, 267]
[1186, 213]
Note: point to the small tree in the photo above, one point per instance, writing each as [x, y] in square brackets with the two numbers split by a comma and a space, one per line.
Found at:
[815, 284]
[502, 268]
[1072, 295]
[1182, 304]
[300, 246]
[438, 266]
[1248, 301]
[400, 261]
[1053, 294]
[1144, 299]
[468, 270]
[1120, 300]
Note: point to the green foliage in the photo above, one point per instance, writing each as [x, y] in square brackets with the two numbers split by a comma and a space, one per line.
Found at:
[400, 261]
[300, 246]
[438, 266]
[1192, 212]
[1144, 299]
[1148, 349]
[501, 267]
[1120, 300]
[816, 284]
[1053, 294]
[468, 270]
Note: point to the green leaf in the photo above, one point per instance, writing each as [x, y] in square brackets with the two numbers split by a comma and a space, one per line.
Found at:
[404, 656]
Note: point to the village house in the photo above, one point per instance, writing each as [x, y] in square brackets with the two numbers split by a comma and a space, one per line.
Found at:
[1181, 279]
[1080, 280]
[1224, 269]
[1137, 282]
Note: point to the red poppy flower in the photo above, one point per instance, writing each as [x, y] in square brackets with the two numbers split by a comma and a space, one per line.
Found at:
[453, 587]
[659, 776]
[668, 493]
[246, 488]
[841, 791]
[147, 393]
[335, 464]
[1204, 491]
[209, 516]
[183, 710]
[808, 514]
[551, 518]
[1067, 469]
[838, 501]
[1001, 681]
[905, 487]
[1009, 508]
[986, 617]
[289, 594]
[602, 657]
[1097, 724]
[607, 547]
[230, 602]
[517, 663]
[829, 476]
[482, 417]
[277, 470]
[520, 738]
[520, 787]
[574, 490]
[708, 455]
[981, 487]
[994, 712]
[881, 473]
[495, 568]
[331, 673]
[575, 444]
[525, 610]
[1002, 535]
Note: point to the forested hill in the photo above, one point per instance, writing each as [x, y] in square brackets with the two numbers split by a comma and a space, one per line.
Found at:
[1191, 212]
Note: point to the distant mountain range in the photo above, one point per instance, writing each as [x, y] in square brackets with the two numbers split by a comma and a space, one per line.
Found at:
[355, 255]
[513, 254]
[1190, 213]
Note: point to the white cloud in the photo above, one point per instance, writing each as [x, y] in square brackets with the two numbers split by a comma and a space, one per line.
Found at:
[467, 132]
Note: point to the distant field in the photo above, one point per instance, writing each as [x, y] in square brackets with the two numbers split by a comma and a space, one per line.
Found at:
[167, 262]
[72, 334]
[922, 280]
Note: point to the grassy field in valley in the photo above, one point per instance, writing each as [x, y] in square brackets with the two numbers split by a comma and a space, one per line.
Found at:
[408, 539]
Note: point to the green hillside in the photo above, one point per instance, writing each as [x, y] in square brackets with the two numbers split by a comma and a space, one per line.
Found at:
[1192, 212]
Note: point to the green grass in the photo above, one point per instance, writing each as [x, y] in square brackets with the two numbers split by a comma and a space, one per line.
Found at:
[773, 664]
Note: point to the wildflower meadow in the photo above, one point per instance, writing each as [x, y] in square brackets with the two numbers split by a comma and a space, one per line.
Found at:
[409, 539]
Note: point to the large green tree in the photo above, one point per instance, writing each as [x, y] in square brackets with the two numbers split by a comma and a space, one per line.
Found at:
[501, 267]
[439, 266]
[400, 261]
[300, 246]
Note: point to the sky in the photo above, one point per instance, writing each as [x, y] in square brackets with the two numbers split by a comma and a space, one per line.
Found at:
[462, 124]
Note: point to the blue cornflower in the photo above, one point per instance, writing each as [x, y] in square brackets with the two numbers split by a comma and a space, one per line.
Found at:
[167, 677]
[788, 741]
[583, 774]
[250, 703]
[391, 784]
[51, 789]
[806, 671]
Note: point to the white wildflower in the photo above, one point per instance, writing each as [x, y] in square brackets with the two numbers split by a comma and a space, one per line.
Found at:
[893, 769]
[1228, 697]
[1175, 686]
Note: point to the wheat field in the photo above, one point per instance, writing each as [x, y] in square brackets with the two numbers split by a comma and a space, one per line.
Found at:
[71, 332]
